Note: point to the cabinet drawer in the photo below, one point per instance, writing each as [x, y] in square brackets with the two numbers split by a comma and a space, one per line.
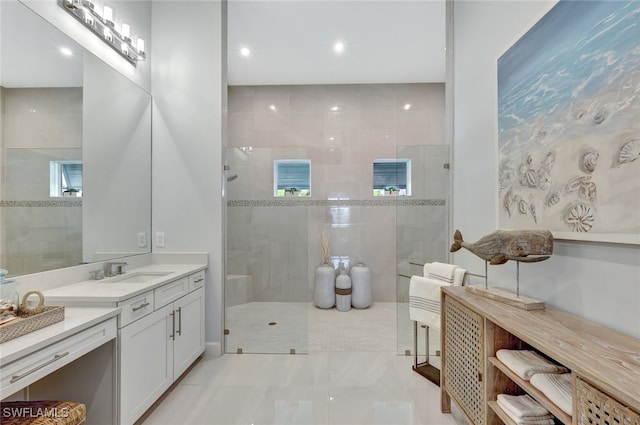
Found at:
[136, 307]
[171, 292]
[196, 280]
[29, 369]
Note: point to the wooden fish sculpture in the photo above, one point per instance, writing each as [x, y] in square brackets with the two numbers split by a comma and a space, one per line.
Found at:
[504, 245]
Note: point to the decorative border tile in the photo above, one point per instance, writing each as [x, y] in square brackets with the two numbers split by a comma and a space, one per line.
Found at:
[42, 204]
[336, 203]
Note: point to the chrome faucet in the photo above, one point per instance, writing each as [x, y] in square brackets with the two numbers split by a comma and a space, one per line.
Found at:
[108, 268]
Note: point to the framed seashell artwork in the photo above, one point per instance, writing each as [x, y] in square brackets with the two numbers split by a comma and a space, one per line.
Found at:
[568, 129]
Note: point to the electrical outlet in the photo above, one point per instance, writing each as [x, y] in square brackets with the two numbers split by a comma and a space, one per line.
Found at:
[142, 240]
[160, 239]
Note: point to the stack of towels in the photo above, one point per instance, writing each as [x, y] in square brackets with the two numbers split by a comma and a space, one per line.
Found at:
[552, 380]
[524, 410]
[424, 291]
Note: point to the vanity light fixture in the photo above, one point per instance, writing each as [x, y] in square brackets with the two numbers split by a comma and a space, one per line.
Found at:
[104, 27]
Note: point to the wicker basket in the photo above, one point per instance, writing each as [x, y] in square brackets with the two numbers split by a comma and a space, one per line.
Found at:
[28, 320]
[598, 408]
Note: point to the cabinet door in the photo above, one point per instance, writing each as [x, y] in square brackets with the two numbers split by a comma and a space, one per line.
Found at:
[463, 363]
[189, 341]
[146, 363]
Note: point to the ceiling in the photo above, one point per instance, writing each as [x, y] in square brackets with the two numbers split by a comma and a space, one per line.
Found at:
[291, 42]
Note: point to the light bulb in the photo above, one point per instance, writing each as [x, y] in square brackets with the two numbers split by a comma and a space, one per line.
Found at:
[108, 35]
[126, 32]
[140, 45]
[88, 17]
[108, 15]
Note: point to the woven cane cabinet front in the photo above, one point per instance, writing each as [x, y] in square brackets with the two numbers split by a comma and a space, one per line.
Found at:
[464, 345]
[605, 364]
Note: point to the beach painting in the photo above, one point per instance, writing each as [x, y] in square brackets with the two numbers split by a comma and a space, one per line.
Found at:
[569, 124]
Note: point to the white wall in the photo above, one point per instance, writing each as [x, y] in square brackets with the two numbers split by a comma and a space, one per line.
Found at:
[187, 81]
[598, 281]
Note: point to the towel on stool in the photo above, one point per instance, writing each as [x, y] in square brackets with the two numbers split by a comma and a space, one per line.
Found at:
[523, 409]
[525, 363]
[557, 388]
[424, 300]
[440, 271]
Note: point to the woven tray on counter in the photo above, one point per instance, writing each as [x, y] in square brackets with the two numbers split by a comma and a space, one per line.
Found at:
[31, 318]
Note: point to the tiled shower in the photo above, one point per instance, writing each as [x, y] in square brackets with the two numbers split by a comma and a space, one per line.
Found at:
[273, 243]
[53, 132]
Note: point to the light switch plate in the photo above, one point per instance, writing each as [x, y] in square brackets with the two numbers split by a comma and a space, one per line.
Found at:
[160, 239]
[142, 240]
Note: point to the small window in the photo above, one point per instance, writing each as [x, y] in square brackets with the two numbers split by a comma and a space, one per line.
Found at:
[65, 178]
[392, 177]
[292, 177]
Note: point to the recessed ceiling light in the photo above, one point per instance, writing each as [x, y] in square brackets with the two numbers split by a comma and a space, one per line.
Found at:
[338, 47]
[66, 51]
[272, 107]
[335, 108]
[406, 106]
[245, 52]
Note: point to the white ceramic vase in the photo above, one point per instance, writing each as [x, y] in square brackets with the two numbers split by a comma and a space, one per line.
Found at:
[324, 292]
[361, 292]
[343, 291]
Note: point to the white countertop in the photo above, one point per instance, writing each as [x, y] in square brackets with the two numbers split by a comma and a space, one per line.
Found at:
[76, 319]
[107, 291]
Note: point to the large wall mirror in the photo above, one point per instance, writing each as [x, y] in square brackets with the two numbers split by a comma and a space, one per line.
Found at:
[75, 151]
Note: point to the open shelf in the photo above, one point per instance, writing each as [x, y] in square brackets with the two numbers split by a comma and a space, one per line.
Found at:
[501, 413]
[532, 391]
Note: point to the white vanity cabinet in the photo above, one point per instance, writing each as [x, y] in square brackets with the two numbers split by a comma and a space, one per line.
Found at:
[157, 348]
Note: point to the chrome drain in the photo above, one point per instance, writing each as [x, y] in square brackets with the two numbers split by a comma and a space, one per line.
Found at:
[272, 323]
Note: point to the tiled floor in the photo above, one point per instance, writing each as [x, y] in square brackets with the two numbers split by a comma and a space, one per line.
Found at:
[352, 374]
[319, 388]
[276, 327]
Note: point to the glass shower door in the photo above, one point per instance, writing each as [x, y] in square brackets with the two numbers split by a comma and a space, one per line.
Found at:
[266, 287]
[422, 234]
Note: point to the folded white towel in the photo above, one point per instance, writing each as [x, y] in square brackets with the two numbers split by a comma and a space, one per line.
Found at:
[526, 362]
[424, 300]
[440, 271]
[459, 276]
[522, 407]
[557, 388]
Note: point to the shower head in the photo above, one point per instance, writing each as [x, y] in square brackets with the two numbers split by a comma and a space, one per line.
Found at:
[232, 178]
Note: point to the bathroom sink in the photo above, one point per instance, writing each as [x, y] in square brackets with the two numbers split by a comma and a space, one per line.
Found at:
[138, 277]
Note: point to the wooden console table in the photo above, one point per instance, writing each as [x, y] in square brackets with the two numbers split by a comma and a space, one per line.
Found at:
[604, 364]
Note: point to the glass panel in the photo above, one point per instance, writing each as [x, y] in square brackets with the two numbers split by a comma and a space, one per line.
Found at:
[266, 287]
[422, 229]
